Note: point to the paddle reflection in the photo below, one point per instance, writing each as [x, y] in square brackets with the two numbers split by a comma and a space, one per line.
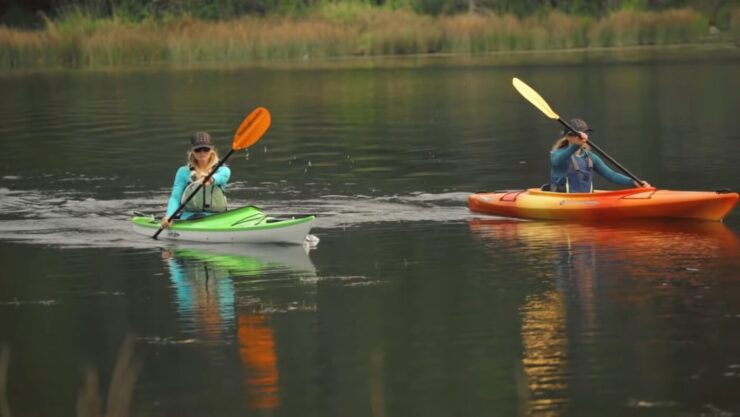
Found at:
[593, 271]
[204, 279]
[257, 352]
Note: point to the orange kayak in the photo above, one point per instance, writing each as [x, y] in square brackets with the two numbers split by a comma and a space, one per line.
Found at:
[632, 203]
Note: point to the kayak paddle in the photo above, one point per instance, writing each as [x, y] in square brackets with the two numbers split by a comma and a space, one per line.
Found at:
[250, 131]
[539, 102]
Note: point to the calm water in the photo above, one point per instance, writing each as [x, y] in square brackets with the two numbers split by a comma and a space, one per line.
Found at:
[409, 305]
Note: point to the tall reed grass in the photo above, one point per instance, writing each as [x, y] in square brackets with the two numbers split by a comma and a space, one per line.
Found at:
[339, 30]
[89, 401]
[4, 362]
[735, 24]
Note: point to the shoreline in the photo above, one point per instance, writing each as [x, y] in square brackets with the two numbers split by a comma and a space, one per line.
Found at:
[690, 52]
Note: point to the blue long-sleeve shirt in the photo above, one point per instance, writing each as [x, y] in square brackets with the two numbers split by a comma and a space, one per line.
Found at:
[185, 275]
[560, 163]
[182, 179]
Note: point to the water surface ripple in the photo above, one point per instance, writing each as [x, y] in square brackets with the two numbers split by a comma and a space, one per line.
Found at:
[409, 304]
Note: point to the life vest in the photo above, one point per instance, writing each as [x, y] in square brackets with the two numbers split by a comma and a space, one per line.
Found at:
[578, 179]
[209, 198]
[580, 175]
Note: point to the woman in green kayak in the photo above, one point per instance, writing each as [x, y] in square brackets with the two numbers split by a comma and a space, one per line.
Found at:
[210, 199]
[573, 164]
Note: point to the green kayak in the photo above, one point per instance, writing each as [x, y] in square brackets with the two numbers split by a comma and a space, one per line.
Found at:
[245, 225]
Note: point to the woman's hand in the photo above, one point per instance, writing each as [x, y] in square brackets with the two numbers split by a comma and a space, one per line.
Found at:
[165, 223]
[582, 138]
[643, 184]
[579, 140]
[209, 182]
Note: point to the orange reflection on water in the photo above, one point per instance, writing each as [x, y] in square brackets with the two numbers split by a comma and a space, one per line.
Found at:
[545, 352]
[648, 249]
[581, 258]
[257, 351]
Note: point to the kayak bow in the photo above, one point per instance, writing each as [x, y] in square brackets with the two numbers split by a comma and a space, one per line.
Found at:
[244, 225]
[605, 205]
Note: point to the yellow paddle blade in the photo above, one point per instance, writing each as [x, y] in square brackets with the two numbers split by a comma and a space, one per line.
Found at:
[251, 129]
[534, 98]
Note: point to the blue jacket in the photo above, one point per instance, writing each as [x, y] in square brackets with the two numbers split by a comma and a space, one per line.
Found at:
[560, 161]
[182, 179]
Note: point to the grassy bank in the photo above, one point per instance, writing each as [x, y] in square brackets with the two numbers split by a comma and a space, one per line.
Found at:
[337, 31]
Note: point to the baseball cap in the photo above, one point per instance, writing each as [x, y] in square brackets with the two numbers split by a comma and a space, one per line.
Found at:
[201, 140]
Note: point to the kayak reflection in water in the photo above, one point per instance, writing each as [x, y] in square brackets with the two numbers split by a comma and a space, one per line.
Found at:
[573, 165]
[595, 277]
[204, 295]
[202, 157]
[208, 311]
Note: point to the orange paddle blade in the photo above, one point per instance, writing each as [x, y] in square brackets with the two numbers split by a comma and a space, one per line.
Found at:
[251, 129]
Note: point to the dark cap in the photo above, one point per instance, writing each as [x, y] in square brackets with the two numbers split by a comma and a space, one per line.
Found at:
[578, 124]
[201, 140]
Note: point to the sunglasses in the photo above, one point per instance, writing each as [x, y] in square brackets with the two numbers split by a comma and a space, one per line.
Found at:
[202, 149]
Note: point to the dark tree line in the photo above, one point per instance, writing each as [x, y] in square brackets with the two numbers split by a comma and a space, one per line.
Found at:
[28, 12]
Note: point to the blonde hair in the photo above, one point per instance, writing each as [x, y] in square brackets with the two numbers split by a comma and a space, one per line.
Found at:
[203, 171]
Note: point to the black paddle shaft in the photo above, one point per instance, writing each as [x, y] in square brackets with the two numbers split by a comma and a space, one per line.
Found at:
[602, 153]
[190, 197]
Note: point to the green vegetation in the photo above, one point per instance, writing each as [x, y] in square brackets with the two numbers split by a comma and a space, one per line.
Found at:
[24, 12]
[105, 33]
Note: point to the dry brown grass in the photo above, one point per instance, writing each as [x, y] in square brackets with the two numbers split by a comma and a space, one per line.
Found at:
[89, 401]
[627, 28]
[735, 24]
[475, 33]
[4, 362]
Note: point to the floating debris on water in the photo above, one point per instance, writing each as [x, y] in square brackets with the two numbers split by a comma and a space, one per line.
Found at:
[17, 303]
[650, 404]
[156, 340]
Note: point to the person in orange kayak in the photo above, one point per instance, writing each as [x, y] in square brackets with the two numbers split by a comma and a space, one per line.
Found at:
[210, 199]
[573, 164]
